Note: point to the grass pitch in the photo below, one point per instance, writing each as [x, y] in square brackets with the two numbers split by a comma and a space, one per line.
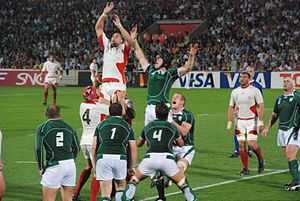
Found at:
[212, 172]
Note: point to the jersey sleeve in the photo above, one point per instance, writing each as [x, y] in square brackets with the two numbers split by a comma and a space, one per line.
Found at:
[150, 68]
[173, 72]
[143, 135]
[103, 41]
[131, 134]
[297, 97]
[39, 148]
[258, 96]
[75, 144]
[232, 100]
[275, 109]
[189, 118]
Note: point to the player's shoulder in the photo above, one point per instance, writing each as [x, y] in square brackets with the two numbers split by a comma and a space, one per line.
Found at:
[297, 93]
[188, 113]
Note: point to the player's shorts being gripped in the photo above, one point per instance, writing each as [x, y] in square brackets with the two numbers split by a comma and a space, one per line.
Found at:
[51, 81]
[153, 162]
[111, 166]
[185, 152]
[282, 137]
[151, 116]
[108, 89]
[294, 138]
[246, 130]
[63, 174]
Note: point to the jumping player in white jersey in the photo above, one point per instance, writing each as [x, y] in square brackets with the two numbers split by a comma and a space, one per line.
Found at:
[116, 54]
[248, 102]
[91, 114]
[50, 77]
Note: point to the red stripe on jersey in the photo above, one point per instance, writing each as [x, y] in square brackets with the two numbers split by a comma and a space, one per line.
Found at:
[89, 102]
[103, 117]
[121, 66]
[100, 41]
[109, 79]
[253, 109]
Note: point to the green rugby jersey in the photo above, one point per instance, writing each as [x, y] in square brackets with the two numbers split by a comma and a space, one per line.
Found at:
[188, 117]
[57, 140]
[159, 84]
[160, 136]
[288, 110]
[113, 135]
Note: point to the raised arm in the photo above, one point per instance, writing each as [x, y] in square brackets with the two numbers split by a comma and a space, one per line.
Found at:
[100, 23]
[187, 67]
[140, 56]
[124, 32]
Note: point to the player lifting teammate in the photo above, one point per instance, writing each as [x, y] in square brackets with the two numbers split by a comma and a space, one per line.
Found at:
[112, 137]
[248, 102]
[160, 135]
[287, 110]
[58, 141]
[91, 114]
[50, 77]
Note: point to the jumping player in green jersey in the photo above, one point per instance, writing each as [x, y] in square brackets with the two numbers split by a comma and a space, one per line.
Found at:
[160, 135]
[161, 76]
[287, 110]
[58, 141]
[112, 137]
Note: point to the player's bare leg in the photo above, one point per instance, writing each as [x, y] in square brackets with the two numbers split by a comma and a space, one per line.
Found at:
[106, 188]
[84, 176]
[46, 89]
[120, 187]
[257, 151]
[181, 182]
[67, 193]
[244, 158]
[291, 154]
[2, 182]
[54, 87]
[49, 194]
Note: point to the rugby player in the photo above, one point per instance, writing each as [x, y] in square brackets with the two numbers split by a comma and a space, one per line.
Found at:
[58, 141]
[91, 114]
[248, 102]
[112, 137]
[50, 77]
[159, 135]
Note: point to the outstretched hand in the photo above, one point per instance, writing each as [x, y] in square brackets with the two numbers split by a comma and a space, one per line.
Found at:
[133, 32]
[108, 8]
[117, 21]
[194, 49]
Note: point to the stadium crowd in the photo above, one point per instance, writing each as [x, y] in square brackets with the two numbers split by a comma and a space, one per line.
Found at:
[263, 34]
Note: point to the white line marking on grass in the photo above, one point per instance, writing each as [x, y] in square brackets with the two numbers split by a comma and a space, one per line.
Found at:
[222, 183]
[26, 162]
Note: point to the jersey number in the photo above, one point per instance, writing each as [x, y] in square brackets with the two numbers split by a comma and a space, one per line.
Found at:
[157, 135]
[60, 139]
[86, 116]
[113, 132]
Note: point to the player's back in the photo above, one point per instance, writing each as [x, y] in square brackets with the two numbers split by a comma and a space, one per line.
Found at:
[246, 100]
[159, 84]
[91, 114]
[59, 140]
[113, 135]
[160, 136]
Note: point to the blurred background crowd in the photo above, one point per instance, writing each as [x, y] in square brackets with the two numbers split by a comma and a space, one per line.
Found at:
[264, 34]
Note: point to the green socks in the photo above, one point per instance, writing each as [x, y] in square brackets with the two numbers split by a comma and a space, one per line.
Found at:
[293, 166]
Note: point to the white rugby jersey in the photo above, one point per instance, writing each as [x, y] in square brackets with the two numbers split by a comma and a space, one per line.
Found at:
[93, 67]
[246, 100]
[51, 68]
[91, 114]
[115, 60]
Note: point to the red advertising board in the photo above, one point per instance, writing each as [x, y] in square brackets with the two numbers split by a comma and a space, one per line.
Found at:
[20, 77]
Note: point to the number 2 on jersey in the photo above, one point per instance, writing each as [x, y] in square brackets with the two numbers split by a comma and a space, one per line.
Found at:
[113, 132]
[59, 139]
[157, 135]
[86, 116]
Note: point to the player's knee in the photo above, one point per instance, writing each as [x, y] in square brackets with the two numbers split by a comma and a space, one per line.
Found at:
[182, 183]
